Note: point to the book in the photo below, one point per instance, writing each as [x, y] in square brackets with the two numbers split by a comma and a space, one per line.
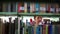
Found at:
[50, 29]
[6, 28]
[25, 6]
[28, 7]
[57, 8]
[4, 7]
[44, 29]
[29, 29]
[9, 7]
[21, 27]
[32, 7]
[48, 6]
[1, 26]
[39, 29]
[1, 7]
[37, 8]
[13, 7]
[53, 29]
[20, 7]
[52, 9]
[10, 26]
[42, 8]
[16, 23]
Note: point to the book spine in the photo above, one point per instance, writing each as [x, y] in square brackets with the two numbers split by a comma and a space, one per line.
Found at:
[38, 31]
[53, 28]
[32, 32]
[42, 8]
[16, 25]
[10, 26]
[4, 7]
[52, 9]
[50, 29]
[9, 7]
[48, 8]
[57, 8]
[29, 30]
[28, 7]
[33, 7]
[21, 7]
[13, 27]
[25, 6]
[44, 29]
[0, 7]
[1, 24]
[14, 7]
[37, 7]
[21, 27]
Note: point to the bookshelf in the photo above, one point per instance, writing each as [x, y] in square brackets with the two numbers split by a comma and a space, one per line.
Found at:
[40, 14]
[8, 13]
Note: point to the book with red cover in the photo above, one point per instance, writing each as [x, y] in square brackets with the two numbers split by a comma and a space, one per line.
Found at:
[20, 7]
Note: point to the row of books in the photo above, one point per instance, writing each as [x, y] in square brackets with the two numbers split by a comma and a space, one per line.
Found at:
[29, 7]
[8, 27]
[40, 29]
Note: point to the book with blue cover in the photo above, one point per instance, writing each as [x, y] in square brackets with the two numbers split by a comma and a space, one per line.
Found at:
[50, 29]
[39, 29]
[37, 8]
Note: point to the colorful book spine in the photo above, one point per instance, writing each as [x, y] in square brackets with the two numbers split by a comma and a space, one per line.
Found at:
[38, 29]
[21, 7]
[57, 8]
[28, 7]
[25, 6]
[42, 8]
[48, 8]
[53, 29]
[37, 7]
[50, 29]
[44, 29]
[32, 7]
[52, 9]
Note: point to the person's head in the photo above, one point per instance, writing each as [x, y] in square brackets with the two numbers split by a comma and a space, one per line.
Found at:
[38, 18]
